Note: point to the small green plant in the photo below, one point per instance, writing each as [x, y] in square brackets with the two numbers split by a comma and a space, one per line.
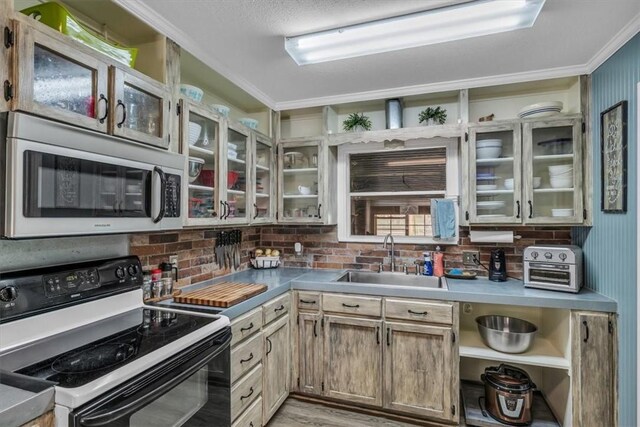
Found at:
[439, 115]
[354, 120]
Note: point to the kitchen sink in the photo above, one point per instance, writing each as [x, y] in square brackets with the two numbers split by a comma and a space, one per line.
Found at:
[394, 279]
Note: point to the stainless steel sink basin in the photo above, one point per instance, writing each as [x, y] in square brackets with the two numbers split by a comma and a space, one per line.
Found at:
[393, 279]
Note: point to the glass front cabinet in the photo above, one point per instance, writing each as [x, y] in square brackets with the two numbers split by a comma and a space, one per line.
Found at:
[58, 78]
[525, 172]
[263, 179]
[235, 191]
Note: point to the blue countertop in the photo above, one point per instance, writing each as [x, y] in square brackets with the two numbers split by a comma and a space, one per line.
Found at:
[482, 290]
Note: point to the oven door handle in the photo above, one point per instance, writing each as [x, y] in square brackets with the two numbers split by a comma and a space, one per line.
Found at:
[163, 193]
[142, 399]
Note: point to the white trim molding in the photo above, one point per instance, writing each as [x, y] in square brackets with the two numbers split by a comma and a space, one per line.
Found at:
[620, 39]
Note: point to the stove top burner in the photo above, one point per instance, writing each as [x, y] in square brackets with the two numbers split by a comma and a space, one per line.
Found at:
[93, 359]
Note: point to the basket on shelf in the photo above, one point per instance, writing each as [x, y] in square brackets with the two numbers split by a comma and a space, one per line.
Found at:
[261, 262]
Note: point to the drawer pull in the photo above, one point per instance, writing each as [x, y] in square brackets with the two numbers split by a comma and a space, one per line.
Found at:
[315, 328]
[351, 306]
[248, 395]
[248, 328]
[277, 309]
[307, 302]
[247, 360]
[378, 335]
[420, 313]
[388, 336]
[586, 329]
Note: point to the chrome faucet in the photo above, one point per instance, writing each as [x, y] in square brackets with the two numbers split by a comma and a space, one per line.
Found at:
[393, 257]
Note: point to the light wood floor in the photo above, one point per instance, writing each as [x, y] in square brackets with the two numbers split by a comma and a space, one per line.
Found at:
[295, 413]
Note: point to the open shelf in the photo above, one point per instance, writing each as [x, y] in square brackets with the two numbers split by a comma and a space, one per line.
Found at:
[200, 187]
[543, 353]
[305, 170]
[300, 196]
[237, 192]
[490, 162]
[492, 192]
[554, 190]
[553, 157]
[199, 150]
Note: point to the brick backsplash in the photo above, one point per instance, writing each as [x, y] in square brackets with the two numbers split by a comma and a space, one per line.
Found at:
[322, 249]
[196, 260]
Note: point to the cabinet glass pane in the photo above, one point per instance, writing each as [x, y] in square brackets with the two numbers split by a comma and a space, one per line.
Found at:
[62, 83]
[553, 189]
[143, 111]
[203, 137]
[263, 181]
[494, 174]
[300, 182]
[237, 175]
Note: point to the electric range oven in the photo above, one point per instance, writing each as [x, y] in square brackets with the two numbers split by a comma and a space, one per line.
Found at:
[114, 361]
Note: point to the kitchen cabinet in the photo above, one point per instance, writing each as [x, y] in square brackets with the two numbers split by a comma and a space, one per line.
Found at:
[63, 80]
[307, 191]
[353, 359]
[277, 364]
[263, 179]
[525, 172]
[310, 356]
[234, 193]
[594, 369]
[420, 365]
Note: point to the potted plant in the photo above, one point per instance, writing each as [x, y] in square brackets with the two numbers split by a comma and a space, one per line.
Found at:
[356, 123]
[433, 115]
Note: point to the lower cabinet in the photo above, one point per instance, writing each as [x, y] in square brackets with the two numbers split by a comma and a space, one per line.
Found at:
[277, 366]
[353, 359]
[310, 353]
[419, 370]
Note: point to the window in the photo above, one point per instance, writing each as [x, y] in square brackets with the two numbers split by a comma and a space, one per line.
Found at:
[390, 190]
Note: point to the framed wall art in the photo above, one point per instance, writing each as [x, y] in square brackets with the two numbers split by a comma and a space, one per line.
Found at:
[613, 126]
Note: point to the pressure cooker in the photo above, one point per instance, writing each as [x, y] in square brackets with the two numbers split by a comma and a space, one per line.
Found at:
[508, 393]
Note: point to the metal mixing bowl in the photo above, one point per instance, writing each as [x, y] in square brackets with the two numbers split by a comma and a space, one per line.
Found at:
[506, 334]
[195, 166]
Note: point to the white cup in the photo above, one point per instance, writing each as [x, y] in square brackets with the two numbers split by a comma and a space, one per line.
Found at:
[305, 191]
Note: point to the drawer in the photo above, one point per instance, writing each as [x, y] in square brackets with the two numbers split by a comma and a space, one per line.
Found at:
[246, 391]
[276, 308]
[351, 304]
[309, 301]
[246, 326]
[252, 417]
[419, 311]
[245, 356]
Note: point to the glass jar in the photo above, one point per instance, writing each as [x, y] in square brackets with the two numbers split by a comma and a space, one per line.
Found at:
[146, 286]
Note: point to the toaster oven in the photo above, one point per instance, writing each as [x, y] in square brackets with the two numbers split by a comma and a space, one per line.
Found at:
[557, 268]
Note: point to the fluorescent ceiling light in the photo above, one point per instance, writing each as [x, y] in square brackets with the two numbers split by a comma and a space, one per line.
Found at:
[466, 20]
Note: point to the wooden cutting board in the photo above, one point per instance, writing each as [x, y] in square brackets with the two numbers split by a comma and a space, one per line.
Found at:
[224, 294]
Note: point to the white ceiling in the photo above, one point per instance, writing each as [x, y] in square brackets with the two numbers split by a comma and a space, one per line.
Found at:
[243, 40]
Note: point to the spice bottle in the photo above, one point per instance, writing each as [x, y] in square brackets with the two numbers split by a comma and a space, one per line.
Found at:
[146, 285]
[156, 283]
[438, 263]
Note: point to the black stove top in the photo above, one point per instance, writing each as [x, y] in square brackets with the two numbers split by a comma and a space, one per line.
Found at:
[130, 337]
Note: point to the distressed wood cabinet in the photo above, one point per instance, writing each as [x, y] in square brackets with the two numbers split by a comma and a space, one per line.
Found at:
[310, 362]
[353, 359]
[276, 359]
[594, 369]
[263, 179]
[420, 365]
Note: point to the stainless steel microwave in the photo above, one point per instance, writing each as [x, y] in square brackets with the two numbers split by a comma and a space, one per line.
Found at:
[60, 180]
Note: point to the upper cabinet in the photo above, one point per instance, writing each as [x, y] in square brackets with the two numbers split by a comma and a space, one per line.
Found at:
[263, 180]
[525, 172]
[60, 79]
[234, 196]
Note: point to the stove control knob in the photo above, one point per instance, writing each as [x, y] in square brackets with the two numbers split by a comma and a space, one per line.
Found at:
[534, 255]
[8, 294]
[548, 255]
[133, 270]
[120, 273]
[563, 256]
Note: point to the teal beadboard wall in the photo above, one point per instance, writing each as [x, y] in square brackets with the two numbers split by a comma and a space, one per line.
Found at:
[610, 245]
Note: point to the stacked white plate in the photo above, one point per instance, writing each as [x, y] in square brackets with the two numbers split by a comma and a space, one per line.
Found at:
[541, 109]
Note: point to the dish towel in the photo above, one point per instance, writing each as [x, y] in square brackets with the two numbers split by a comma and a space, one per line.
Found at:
[443, 218]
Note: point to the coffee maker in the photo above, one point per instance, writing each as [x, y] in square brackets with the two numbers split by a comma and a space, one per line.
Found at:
[497, 266]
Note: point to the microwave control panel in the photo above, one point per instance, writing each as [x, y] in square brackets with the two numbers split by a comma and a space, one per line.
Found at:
[71, 282]
[172, 197]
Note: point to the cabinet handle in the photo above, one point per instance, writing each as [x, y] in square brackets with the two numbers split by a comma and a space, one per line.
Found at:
[124, 113]
[247, 360]
[307, 302]
[315, 328]
[106, 108]
[351, 306]
[420, 313]
[248, 328]
[518, 208]
[248, 395]
[378, 335]
[255, 207]
[530, 208]
[279, 308]
[270, 346]
[224, 210]
[586, 330]
[388, 336]
[320, 211]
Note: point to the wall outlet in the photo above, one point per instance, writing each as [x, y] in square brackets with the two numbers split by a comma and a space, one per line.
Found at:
[173, 259]
[467, 308]
[469, 257]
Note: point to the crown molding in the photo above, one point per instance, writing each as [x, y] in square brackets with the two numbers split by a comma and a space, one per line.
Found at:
[620, 39]
[163, 26]
[527, 76]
